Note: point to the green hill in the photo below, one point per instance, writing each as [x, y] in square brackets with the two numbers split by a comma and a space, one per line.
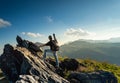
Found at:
[92, 65]
[109, 52]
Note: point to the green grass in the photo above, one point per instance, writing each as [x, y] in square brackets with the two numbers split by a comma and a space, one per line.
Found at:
[93, 65]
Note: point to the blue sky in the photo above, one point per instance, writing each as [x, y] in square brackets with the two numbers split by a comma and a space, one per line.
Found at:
[69, 19]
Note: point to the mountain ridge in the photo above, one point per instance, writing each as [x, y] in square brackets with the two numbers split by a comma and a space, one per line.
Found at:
[98, 51]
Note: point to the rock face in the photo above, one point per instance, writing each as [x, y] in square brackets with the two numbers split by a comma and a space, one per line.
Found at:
[93, 77]
[24, 64]
[69, 64]
[66, 65]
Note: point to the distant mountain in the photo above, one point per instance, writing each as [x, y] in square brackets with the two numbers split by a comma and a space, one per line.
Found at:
[117, 39]
[111, 40]
[38, 43]
[101, 51]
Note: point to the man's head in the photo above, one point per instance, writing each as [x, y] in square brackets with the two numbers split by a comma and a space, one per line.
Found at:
[50, 37]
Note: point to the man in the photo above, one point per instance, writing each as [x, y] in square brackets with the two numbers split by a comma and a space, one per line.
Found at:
[53, 48]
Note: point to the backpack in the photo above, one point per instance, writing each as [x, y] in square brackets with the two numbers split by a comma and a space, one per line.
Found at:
[55, 46]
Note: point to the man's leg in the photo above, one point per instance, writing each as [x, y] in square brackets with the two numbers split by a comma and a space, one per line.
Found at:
[45, 52]
[56, 58]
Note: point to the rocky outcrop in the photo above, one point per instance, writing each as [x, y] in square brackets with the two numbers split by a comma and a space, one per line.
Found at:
[92, 77]
[24, 64]
[69, 64]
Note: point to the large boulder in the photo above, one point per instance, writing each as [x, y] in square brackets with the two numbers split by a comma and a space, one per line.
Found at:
[23, 64]
[92, 77]
[27, 44]
[69, 64]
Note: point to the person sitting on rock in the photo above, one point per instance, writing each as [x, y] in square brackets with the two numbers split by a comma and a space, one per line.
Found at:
[53, 48]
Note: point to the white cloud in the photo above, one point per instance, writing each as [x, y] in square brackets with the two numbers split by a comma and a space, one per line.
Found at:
[4, 23]
[23, 33]
[73, 34]
[49, 19]
[78, 32]
[30, 34]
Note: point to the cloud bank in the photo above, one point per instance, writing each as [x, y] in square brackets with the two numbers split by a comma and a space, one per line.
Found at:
[78, 32]
[4, 23]
[30, 34]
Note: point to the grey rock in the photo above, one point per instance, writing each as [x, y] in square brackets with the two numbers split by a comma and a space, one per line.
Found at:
[28, 79]
[92, 77]
[23, 64]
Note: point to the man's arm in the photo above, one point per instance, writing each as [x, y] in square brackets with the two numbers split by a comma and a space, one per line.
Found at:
[54, 37]
[47, 44]
[42, 45]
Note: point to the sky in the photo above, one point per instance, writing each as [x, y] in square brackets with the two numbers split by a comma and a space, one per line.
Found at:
[70, 20]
